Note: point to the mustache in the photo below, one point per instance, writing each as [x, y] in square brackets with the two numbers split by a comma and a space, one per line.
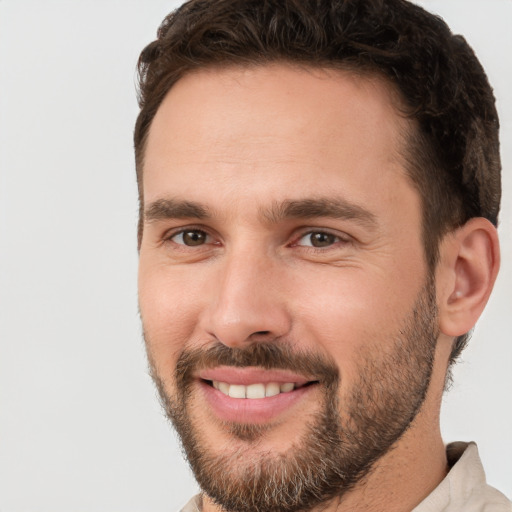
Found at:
[264, 355]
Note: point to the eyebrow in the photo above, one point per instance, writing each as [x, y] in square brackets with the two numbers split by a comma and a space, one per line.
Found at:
[310, 208]
[162, 209]
[336, 208]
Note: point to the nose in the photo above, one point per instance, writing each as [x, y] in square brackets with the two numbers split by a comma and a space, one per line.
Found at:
[248, 304]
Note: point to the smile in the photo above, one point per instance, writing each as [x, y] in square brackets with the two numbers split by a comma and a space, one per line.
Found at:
[253, 391]
[253, 395]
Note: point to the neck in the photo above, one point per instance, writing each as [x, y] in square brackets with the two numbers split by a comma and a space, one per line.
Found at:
[401, 479]
[414, 466]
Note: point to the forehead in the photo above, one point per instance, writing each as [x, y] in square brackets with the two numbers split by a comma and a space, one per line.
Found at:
[292, 125]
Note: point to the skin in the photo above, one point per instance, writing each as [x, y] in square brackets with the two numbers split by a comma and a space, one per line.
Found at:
[238, 141]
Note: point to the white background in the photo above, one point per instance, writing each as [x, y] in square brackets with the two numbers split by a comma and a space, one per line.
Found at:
[80, 426]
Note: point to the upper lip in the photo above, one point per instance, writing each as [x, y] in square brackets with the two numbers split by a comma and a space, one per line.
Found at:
[251, 375]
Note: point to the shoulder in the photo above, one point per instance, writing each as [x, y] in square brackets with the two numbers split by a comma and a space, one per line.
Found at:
[465, 487]
[193, 505]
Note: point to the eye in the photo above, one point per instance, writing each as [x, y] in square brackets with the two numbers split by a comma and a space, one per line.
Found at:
[191, 237]
[318, 239]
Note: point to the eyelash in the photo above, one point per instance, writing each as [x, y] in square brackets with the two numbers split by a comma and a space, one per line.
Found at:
[339, 239]
[168, 237]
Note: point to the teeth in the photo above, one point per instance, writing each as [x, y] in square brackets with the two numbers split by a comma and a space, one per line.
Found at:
[223, 387]
[253, 390]
[285, 388]
[272, 389]
[236, 391]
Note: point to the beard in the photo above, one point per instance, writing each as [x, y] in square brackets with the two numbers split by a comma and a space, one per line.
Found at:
[341, 442]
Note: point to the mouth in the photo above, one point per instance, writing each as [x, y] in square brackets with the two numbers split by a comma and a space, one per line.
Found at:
[257, 390]
[253, 395]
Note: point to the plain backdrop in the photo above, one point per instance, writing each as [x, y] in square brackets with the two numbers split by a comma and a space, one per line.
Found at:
[80, 425]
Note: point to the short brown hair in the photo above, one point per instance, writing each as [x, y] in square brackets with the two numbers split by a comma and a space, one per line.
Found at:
[453, 156]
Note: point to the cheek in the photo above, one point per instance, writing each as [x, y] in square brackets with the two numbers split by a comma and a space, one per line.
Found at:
[349, 310]
[168, 305]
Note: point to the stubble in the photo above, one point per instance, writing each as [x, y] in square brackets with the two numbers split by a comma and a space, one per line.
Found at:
[340, 443]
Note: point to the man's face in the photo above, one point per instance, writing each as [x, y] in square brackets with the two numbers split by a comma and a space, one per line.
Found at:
[282, 260]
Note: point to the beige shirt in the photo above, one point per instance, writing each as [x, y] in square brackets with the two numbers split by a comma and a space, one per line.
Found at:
[464, 489]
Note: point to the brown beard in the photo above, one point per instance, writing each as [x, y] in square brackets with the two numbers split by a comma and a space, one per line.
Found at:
[341, 443]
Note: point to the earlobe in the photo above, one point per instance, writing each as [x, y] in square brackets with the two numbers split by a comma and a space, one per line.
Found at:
[469, 263]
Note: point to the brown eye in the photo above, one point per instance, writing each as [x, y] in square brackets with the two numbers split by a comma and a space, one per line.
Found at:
[318, 239]
[322, 239]
[191, 238]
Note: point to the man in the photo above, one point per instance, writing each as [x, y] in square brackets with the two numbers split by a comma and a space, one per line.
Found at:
[319, 187]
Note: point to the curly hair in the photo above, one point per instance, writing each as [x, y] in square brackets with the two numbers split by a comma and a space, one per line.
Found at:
[453, 155]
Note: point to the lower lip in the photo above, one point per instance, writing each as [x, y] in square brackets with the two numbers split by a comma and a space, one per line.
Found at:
[252, 410]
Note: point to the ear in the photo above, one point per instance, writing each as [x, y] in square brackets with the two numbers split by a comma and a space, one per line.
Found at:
[468, 266]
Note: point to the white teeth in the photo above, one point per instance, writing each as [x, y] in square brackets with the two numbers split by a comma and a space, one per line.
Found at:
[253, 390]
[272, 389]
[236, 391]
[223, 387]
